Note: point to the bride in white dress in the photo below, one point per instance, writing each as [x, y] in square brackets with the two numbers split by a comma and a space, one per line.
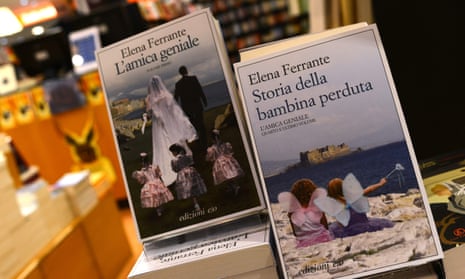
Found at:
[169, 125]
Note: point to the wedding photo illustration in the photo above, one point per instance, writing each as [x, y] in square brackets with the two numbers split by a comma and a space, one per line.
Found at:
[179, 141]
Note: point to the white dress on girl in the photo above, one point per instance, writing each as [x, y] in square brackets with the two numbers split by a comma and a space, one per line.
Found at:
[169, 125]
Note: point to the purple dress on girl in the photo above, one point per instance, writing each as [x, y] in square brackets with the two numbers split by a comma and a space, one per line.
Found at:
[359, 223]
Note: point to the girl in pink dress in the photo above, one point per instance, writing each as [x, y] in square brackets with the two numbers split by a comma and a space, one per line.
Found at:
[308, 222]
[226, 168]
[153, 193]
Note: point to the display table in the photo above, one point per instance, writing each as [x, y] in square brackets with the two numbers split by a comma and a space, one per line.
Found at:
[91, 246]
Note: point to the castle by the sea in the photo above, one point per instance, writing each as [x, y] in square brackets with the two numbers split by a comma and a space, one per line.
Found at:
[324, 154]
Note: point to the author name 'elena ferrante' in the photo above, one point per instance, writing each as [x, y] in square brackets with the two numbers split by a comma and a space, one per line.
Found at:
[257, 77]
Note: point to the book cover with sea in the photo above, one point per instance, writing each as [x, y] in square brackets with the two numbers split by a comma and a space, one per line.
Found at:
[169, 92]
[340, 176]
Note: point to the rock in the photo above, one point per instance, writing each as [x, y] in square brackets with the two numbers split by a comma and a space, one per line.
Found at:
[409, 239]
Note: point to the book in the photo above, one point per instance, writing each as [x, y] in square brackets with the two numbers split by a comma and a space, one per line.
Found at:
[32, 196]
[333, 152]
[180, 145]
[445, 194]
[248, 254]
[9, 208]
[452, 262]
[81, 195]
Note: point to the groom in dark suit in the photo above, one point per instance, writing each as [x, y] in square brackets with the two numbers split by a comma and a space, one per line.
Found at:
[189, 93]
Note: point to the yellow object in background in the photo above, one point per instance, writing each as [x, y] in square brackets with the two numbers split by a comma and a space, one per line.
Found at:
[23, 108]
[7, 120]
[92, 88]
[40, 104]
[85, 151]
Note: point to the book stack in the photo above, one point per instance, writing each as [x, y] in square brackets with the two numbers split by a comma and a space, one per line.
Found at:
[9, 209]
[56, 212]
[81, 194]
[32, 216]
[15, 227]
[205, 162]
[27, 239]
[33, 195]
[11, 218]
[221, 256]
[41, 215]
[52, 206]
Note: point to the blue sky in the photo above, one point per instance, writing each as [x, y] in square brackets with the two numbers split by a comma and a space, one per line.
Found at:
[364, 120]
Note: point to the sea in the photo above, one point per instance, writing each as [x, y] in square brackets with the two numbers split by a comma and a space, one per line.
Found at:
[216, 94]
[368, 166]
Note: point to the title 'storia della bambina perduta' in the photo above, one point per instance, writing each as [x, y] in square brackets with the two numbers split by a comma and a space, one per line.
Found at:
[295, 104]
